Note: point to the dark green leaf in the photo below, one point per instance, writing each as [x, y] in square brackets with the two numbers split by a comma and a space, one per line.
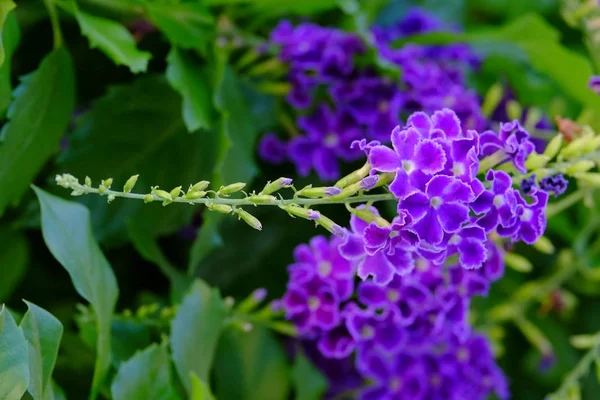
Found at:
[10, 35]
[43, 333]
[14, 372]
[145, 376]
[206, 241]
[200, 390]
[282, 6]
[68, 234]
[241, 372]
[309, 382]
[195, 332]
[38, 117]
[14, 254]
[185, 76]
[187, 25]
[6, 6]
[112, 38]
[144, 135]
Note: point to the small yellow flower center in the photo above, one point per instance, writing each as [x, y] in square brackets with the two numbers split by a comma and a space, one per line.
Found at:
[324, 268]
[313, 303]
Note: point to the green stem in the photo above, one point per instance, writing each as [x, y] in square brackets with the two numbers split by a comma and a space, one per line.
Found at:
[360, 198]
[564, 203]
[53, 14]
[558, 167]
[491, 161]
[115, 8]
[581, 370]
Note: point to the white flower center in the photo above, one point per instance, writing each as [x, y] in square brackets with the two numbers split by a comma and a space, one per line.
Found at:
[408, 166]
[395, 384]
[331, 140]
[527, 215]
[313, 303]
[455, 239]
[367, 332]
[499, 200]
[383, 106]
[393, 295]
[458, 169]
[436, 202]
[324, 268]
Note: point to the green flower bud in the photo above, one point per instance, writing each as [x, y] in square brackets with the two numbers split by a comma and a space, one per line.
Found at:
[148, 198]
[574, 148]
[194, 195]
[514, 110]
[220, 208]
[534, 116]
[544, 245]
[229, 189]
[162, 194]
[354, 177]
[198, 187]
[175, 192]
[262, 199]
[102, 189]
[301, 212]
[536, 161]
[589, 178]
[554, 146]
[331, 226]
[517, 262]
[492, 98]
[130, 183]
[318, 192]
[578, 167]
[276, 185]
[348, 191]
[584, 341]
[107, 182]
[88, 181]
[249, 219]
[110, 198]
[369, 217]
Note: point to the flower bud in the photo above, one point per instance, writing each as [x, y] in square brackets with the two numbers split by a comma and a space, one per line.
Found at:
[578, 167]
[276, 185]
[220, 208]
[110, 198]
[88, 181]
[354, 177]
[536, 161]
[514, 110]
[369, 182]
[130, 183]
[262, 199]
[331, 226]
[589, 178]
[544, 245]
[369, 217]
[198, 187]
[194, 195]
[517, 262]
[348, 191]
[302, 212]
[175, 192]
[319, 192]
[148, 198]
[107, 182]
[250, 303]
[554, 146]
[249, 219]
[162, 194]
[229, 189]
[574, 148]
[492, 98]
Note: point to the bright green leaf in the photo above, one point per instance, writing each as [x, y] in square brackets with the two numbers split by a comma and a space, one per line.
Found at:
[67, 232]
[14, 254]
[14, 372]
[112, 38]
[10, 36]
[241, 372]
[145, 376]
[38, 118]
[309, 382]
[195, 332]
[185, 76]
[200, 390]
[43, 333]
[187, 25]
[6, 6]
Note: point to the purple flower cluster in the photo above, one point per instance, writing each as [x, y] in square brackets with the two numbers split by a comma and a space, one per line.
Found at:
[410, 338]
[322, 71]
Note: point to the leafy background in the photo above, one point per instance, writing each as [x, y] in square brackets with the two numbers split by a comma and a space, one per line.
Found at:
[176, 108]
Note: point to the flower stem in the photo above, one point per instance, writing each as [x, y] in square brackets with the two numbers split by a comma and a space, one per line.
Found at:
[57, 33]
[564, 203]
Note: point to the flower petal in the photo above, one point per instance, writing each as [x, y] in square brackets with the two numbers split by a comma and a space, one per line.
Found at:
[384, 159]
[429, 157]
[453, 216]
[416, 205]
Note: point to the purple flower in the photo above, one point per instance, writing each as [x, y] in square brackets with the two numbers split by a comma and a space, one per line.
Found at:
[329, 136]
[531, 221]
[499, 205]
[470, 244]
[513, 139]
[440, 209]
[399, 377]
[528, 185]
[556, 184]
[369, 328]
[272, 149]
[594, 83]
[369, 182]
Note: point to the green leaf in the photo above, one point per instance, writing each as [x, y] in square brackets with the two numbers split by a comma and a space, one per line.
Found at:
[282, 6]
[187, 25]
[14, 255]
[206, 241]
[185, 76]
[6, 6]
[43, 333]
[152, 142]
[145, 376]
[14, 372]
[309, 382]
[67, 232]
[241, 372]
[112, 38]
[195, 332]
[10, 36]
[200, 390]
[38, 118]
